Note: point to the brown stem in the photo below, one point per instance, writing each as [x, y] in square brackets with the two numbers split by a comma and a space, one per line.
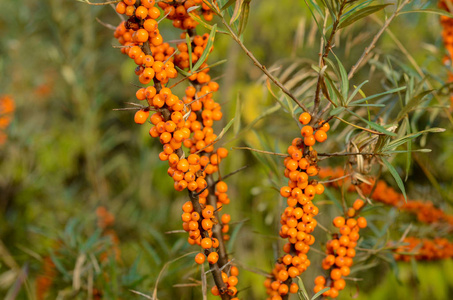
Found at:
[326, 52]
[217, 228]
[375, 39]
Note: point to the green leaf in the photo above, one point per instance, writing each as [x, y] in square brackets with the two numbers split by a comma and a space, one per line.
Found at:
[337, 110]
[206, 25]
[228, 4]
[396, 176]
[185, 73]
[189, 48]
[398, 142]
[362, 14]
[244, 16]
[207, 50]
[344, 78]
[224, 130]
[237, 11]
[436, 11]
[373, 125]
[320, 293]
[412, 104]
[234, 235]
[379, 95]
[357, 89]
[302, 292]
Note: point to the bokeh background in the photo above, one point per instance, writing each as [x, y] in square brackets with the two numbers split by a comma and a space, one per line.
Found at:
[68, 152]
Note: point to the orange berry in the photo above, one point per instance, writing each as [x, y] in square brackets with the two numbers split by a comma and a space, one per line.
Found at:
[320, 136]
[293, 288]
[358, 204]
[338, 221]
[283, 289]
[361, 222]
[293, 272]
[335, 274]
[309, 140]
[232, 281]
[206, 243]
[344, 271]
[215, 291]
[304, 118]
[200, 258]
[221, 187]
[306, 131]
[320, 280]
[213, 257]
[141, 116]
[226, 218]
[141, 12]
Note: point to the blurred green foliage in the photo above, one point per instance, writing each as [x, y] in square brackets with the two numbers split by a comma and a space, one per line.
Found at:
[68, 152]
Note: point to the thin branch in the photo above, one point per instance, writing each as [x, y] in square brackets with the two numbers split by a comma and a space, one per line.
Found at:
[375, 39]
[102, 3]
[234, 172]
[106, 25]
[346, 153]
[325, 53]
[262, 67]
[260, 151]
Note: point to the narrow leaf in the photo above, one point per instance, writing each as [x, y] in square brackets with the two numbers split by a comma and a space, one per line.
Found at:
[237, 11]
[396, 176]
[207, 50]
[373, 125]
[362, 14]
[320, 293]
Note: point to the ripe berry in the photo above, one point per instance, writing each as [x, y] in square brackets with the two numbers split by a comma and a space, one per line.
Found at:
[200, 258]
[141, 116]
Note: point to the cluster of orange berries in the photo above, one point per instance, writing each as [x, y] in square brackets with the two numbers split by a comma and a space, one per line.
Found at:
[105, 221]
[185, 122]
[230, 281]
[424, 249]
[310, 134]
[298, 218]
[7, 108]
[340, 252]
[178, 11]
[45, 280]
[142, 28]
[425, 211]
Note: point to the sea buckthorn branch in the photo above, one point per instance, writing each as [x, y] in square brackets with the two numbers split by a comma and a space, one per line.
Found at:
[379, 191]
[298, 218]
[340, 251]
[183, 122]
[7, 108]
[424, 249]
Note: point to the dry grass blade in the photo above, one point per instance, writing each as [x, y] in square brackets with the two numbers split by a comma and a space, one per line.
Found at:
[204, 283]
[77, 277]
[163, 269]
[141, 294]
[359, 127]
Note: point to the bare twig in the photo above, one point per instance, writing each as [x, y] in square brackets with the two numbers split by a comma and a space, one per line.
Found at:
[375, 39]
[262, 67]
